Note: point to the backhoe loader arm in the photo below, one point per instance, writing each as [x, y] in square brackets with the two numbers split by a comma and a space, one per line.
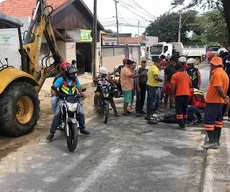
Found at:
[40, 27]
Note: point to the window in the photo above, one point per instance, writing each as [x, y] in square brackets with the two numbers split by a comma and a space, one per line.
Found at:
[106, 43]
[166, 48]
[112, 43]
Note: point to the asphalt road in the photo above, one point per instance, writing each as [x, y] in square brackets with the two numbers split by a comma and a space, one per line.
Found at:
[125, 155]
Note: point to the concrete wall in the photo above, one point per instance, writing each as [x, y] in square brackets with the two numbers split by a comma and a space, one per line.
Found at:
[62, 49]
[112, 62]
[112, 56]
[70, 51]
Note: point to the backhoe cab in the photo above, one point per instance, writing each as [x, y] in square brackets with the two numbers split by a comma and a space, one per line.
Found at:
[19, 103]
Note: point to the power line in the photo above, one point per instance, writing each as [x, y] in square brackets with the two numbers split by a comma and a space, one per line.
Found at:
[143, 9]
[133, 7]
[124, 6]
[137, 8]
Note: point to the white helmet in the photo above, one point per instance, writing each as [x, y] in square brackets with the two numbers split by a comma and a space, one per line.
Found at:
[221, 51]
[191, 61]
[103, 71]
[182, 59]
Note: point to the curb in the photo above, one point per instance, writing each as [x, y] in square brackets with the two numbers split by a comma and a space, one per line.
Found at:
[204, 164]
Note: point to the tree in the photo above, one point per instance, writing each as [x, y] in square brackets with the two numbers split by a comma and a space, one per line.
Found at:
[110, 32]
[214, 28]
[166, 27]
[222, 5]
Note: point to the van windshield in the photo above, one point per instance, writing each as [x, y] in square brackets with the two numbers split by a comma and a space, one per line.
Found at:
[156, 49]
[213, 48]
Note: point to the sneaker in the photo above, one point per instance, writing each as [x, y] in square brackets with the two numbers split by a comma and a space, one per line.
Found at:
[50, 137]
[138, 115]
[210, 145]
[85, 132]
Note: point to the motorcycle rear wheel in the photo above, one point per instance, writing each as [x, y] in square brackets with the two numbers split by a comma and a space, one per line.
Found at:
[72, 139]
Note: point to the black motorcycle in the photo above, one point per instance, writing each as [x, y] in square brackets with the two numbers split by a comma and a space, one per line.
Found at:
[106, 94]
[70, 107]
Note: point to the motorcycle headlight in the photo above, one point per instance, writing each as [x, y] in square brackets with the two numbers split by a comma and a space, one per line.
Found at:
[72, 107]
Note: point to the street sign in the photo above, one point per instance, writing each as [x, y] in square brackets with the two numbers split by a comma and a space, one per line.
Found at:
[86, 35]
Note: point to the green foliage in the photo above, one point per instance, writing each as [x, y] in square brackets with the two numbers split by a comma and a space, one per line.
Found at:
[214, 27]
[209, 28]
[217, 26]
[193, 3]
[166, 27]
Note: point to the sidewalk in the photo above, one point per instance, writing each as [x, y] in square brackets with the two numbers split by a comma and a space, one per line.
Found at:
[216, 168]
[217, 172]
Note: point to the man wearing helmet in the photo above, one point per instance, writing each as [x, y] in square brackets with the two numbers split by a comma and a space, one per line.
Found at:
[67, 84]
[193, 73]
[60, 71]
[103, 79]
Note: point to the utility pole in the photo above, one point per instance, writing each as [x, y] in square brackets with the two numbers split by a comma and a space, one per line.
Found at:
[94, 43]
[116, 2]
[179, 31]
[138, 25]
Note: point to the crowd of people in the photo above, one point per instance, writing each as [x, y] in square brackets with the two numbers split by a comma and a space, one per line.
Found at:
[178, 82]
[167, 80]
[156, 83]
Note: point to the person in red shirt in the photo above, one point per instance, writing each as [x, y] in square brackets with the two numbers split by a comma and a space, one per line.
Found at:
[180, 87]
[215, 99]
[164, 61]
[196, 106]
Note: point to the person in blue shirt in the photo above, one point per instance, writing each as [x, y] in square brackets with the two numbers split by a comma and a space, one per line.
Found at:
[67, 85]
[60, 72]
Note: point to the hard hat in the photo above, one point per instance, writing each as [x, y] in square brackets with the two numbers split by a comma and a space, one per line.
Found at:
[216, 61]
[103, 71]
[182, 59]
[221, 50]
[191, 61]
[210, 55]
[64, 65]
[125, 59]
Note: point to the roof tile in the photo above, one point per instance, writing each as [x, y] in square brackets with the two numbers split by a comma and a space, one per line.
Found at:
[19, 8]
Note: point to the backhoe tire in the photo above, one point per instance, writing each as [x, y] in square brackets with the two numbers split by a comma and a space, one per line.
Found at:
[19, 109]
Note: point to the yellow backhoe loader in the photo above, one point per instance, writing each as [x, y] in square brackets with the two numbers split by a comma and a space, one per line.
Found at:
[19, 103]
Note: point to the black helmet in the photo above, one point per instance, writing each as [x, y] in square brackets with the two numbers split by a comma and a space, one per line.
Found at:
[70, 72]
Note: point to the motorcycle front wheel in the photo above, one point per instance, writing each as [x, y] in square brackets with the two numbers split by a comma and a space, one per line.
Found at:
[72, 139]
[106, 113]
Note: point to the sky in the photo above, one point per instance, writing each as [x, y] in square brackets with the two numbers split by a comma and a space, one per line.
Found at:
[149, 8]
